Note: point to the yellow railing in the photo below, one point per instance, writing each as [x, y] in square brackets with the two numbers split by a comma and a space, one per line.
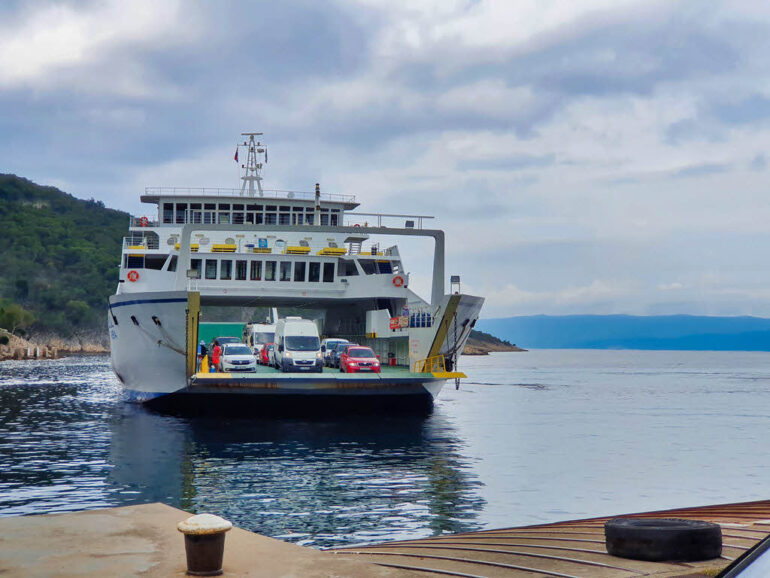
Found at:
[430, 365]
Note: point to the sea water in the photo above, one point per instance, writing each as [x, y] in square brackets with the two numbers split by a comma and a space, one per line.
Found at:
[528, 438]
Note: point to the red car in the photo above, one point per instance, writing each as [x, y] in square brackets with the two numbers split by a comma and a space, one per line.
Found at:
[264, 354]
[357, 359]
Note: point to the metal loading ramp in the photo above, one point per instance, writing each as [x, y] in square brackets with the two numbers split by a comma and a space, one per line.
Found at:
[566, 549]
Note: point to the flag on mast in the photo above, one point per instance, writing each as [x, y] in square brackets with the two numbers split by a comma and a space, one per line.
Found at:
[236, 155]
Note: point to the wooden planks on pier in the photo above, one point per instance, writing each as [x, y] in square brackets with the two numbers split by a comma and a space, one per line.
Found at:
[565, 549]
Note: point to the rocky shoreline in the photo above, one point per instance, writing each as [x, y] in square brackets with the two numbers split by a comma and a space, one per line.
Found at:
[50, 347]
[473, 347]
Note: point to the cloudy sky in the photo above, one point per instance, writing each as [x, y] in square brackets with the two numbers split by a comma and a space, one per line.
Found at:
[584, 156]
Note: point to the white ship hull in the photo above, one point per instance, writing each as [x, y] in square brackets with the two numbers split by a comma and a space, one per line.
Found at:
[148, 356]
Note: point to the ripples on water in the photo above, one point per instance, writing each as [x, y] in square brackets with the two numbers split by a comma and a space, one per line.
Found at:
[529, 438]
[67, 443]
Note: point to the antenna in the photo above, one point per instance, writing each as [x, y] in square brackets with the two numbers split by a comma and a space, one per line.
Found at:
[252, 170]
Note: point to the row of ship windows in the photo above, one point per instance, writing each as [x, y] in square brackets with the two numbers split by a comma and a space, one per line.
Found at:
[299, 271]
[237, 214]
[266, 270]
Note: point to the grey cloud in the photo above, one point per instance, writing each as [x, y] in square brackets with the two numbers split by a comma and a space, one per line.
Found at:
[508, 164]
[700, 170]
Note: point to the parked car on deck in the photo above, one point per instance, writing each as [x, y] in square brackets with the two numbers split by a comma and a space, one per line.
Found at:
[223, 341]
[356, 358]
[335, 356]
[237, 357]
[328, 346]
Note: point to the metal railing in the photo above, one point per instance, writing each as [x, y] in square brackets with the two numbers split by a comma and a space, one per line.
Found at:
[434, 364]
[266, 194]
[385, 220]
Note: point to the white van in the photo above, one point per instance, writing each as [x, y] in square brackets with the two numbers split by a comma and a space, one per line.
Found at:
[257, 335]
[297, 346]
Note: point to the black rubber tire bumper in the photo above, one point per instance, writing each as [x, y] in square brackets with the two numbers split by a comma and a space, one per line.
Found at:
[663, 539]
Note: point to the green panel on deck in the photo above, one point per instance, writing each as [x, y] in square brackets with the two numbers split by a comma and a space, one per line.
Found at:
[208, 331]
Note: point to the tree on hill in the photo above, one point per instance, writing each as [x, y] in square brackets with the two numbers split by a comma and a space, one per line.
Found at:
[60, 258]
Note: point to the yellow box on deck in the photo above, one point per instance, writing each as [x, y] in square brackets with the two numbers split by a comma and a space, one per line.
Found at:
[222, 248]
[297, 250]
[332, 251]
[137, 247]
[262, 250]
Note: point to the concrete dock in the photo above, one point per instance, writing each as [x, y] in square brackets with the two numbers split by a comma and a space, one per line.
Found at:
[143, 541]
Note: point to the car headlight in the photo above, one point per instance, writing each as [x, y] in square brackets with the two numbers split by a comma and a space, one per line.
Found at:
[287, 354]
[319, 355]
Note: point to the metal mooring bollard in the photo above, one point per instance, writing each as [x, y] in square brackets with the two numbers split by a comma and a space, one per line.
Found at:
[204, 542]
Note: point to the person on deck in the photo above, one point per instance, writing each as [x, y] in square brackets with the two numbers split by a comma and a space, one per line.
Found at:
[202, 351]
[216, 355]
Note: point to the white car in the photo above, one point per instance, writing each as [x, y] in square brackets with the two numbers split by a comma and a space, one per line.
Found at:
[237, 357]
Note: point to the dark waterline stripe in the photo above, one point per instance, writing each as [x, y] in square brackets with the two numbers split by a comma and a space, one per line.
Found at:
[121, 304]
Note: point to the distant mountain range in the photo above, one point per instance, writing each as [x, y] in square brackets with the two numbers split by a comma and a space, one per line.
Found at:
[677, 332]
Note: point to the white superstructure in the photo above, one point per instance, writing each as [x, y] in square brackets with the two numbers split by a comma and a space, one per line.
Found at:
[269, 248]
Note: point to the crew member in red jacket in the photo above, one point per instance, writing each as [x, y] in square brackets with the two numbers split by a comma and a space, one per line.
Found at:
[216, 354]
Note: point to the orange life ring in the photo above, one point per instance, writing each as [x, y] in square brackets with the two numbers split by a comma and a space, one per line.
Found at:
[356, 225]
[144, 221]
[133, 276]
[398, 281]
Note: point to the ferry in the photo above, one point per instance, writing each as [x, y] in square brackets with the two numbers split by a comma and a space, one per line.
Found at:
[313, 251]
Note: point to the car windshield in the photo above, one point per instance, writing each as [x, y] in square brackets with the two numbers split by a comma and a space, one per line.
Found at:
[361, 352]
[223, 340]
[263, 338]
[302, 342]
[341, 347]
[237, 350]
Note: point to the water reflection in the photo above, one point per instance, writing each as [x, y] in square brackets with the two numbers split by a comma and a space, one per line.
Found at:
[314, 482]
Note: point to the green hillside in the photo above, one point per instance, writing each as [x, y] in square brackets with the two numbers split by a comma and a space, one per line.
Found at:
[59, 260]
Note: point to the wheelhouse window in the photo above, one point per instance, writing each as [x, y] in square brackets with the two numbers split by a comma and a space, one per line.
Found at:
[238, 214]
[211, 268]
[226, 269]
[384, 267]
[285, 270]
[196, 215]
[256, 270]
[135, 262]
[299, 271]
[181, 209]
[270, 270]
[195, 265]
[347, 268]
[240, 270]
[168, 212]
[314, 272]
[328, 272]
[368, 266]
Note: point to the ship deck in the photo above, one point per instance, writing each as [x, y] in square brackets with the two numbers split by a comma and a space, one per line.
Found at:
[273, 392]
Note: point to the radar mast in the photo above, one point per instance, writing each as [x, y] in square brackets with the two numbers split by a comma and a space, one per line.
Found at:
[252, 170]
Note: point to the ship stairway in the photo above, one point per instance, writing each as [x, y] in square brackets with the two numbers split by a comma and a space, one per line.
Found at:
[354, 248]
